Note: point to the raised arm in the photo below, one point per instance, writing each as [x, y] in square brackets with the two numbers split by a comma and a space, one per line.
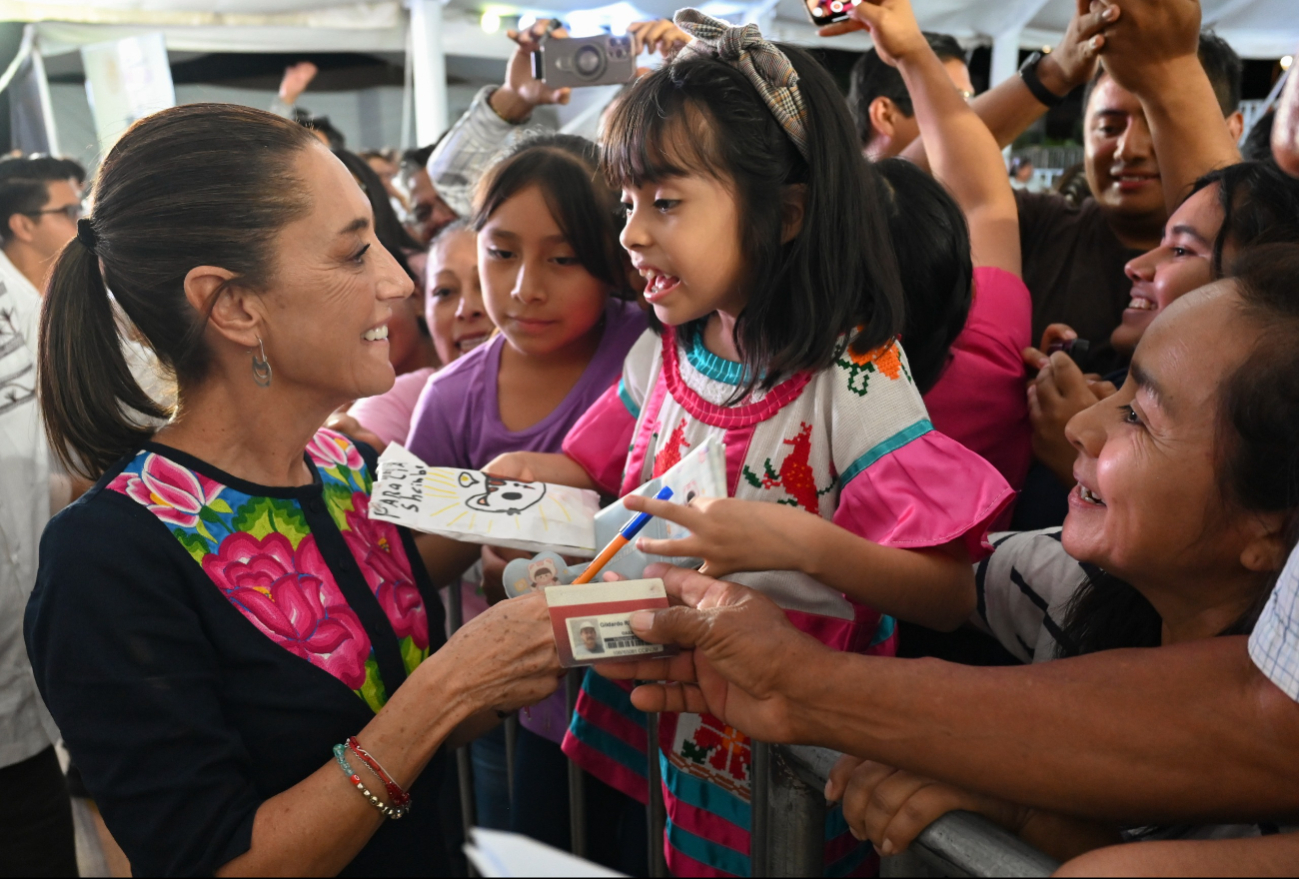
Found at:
[1151, 50]
[962, 152]
[1010, 108]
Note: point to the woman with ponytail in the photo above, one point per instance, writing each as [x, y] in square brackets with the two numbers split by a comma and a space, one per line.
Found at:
[249, 672]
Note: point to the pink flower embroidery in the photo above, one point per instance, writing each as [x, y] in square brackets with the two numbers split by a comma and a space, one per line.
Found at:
[172, 493]
[331, 449]
[293, 599]
[379, 551]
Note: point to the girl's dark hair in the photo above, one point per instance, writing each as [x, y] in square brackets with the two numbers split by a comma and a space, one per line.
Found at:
[1260, 205]
[932, 242]
[700, 115]
[387, 227]
[201, 184]
[564, 167]
[1257, 458]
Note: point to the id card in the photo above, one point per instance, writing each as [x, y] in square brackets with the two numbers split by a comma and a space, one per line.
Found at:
[592, 622]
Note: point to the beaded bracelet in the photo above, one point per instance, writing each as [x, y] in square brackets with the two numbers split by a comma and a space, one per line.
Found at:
[399, 797]
[340, 754]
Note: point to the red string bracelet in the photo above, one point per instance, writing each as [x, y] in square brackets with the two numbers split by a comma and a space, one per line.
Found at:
[399, 797]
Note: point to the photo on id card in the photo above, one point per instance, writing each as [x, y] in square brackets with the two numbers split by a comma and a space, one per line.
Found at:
[592, 622]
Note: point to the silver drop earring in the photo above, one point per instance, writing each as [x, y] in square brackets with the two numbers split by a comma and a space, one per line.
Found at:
[261, 367]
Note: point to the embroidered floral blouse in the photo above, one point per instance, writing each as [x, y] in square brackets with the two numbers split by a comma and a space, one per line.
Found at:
[203, 642]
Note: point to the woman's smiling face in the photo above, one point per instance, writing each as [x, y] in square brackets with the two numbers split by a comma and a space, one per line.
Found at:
[1182, 262]
[1147, 506]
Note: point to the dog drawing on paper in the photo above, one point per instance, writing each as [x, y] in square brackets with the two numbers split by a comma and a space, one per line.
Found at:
[501, 495]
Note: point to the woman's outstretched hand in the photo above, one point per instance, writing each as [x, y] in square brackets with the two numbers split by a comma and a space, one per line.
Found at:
[740, 650]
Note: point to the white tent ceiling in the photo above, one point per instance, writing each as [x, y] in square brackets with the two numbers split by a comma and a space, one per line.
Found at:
[1256, 28]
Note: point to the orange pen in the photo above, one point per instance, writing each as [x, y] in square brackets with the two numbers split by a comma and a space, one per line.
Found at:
[625, 536]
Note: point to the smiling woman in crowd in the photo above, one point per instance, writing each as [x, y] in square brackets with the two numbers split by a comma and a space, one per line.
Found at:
[1188, 484]
[250, 673]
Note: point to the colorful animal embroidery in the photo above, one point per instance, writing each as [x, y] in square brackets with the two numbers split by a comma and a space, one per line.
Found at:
[796, 476]
[670, 454]
[884, 359]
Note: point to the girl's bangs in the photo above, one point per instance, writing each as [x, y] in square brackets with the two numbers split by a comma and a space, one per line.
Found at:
[656, 133]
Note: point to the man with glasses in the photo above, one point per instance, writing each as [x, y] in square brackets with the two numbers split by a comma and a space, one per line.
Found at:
[37, 218]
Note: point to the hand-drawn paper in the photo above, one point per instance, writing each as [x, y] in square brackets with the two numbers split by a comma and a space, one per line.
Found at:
[701, 472]
[471, 506]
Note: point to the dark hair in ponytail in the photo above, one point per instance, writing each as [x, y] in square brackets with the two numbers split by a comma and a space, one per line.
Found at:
[202, 184]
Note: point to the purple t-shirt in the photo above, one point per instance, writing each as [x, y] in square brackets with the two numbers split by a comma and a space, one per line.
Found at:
[457, 423]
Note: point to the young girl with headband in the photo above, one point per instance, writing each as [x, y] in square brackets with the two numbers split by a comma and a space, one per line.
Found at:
[756, 224]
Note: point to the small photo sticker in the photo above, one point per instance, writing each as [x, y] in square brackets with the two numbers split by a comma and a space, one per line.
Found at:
[592, 622]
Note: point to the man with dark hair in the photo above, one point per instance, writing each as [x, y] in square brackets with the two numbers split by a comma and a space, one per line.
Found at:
[429, 213]
[1074, 256]
[880, 104]
[39, 208]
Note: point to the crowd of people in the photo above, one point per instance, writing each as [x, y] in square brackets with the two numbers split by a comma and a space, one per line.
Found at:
[1012, 476]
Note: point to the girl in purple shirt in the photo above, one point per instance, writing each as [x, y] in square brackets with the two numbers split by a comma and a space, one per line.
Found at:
[557, 285]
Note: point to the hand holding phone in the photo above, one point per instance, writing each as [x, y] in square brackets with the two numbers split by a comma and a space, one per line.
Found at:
[825, 12]
[892, 25]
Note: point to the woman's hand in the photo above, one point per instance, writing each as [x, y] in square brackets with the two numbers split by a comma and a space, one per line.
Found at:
[658, 35]
[891, 807]
[892, 25]
[1059, 392]
[741, 650]
[522, 91]
[505, 658]
[730, 535]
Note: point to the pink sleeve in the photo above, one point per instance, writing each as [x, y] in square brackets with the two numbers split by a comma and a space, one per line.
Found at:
[601, 438]
[927, 492]
[979, 400]
[389, 415]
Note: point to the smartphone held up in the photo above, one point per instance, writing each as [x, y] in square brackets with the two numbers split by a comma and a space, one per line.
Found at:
[823, 12]
[586, 61]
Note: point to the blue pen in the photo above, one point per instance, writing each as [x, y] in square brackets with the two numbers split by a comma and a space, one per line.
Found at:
[624, 537]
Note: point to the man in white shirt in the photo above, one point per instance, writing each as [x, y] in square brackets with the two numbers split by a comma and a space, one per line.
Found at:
[37, 217]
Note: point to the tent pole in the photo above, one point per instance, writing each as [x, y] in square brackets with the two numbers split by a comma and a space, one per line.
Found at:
[430, 70]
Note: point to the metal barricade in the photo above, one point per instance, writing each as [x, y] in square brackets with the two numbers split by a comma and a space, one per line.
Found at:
[789, 802]
[788, 811]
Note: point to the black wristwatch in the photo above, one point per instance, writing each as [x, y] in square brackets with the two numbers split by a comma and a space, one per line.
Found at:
[1028, 73]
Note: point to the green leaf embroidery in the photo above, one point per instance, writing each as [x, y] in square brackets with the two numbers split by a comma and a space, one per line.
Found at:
[750, 478]
[693, 752]
[202, 529]
[412, 656]
[196, 546]
[338, 500]
[207, 514]
[262, 515]
[220, 506]
[372, 691]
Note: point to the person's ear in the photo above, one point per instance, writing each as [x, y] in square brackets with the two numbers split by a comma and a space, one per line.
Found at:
[232, 311]
[882, 112]
[1265, 545]
[22, 227]
[1236, 125]
[792, 208]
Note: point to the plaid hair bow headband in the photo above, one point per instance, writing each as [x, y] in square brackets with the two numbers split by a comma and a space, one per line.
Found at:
[759, 60]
